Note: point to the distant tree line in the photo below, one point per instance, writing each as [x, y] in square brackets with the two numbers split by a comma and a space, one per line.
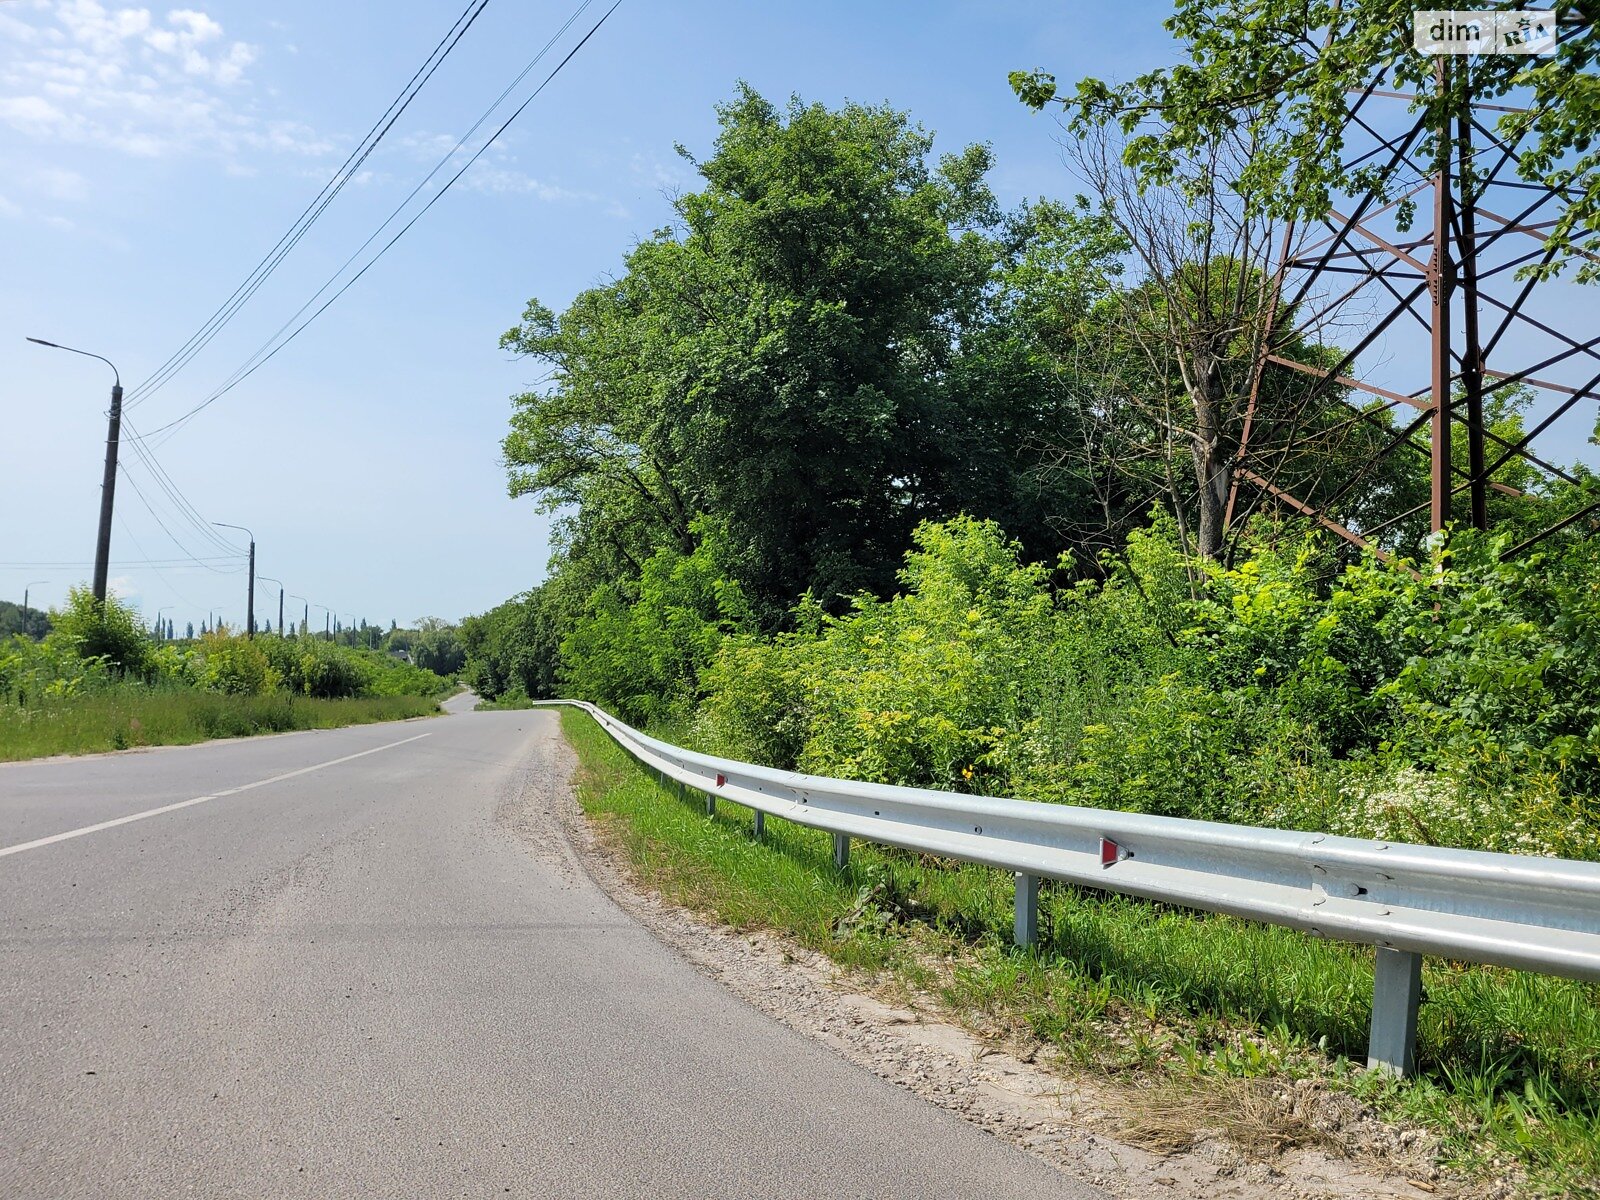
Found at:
[29, 622]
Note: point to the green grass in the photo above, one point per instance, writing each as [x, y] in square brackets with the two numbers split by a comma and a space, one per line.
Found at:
[134, 716]
[1509, 1063]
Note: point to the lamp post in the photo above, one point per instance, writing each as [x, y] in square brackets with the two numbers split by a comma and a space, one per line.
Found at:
[279, 582]
[305, 613]
[250, 605]
[161, 630]
[25, 589]
[108, 484]
[327, 621]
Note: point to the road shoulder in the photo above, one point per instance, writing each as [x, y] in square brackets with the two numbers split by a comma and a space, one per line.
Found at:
[905, 1040]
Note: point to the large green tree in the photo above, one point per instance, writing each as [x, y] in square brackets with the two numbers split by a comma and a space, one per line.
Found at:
[792, 358]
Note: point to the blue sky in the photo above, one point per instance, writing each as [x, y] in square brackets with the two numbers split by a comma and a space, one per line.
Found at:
[149, 157]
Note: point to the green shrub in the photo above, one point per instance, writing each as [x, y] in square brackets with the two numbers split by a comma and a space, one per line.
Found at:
[237, 666]
[754, 707]
[108, 630]
[31, 671]
[1456, 704]
[1502, 678]
[395, 677]
[644, 658]
[313, 667]
[978, 676]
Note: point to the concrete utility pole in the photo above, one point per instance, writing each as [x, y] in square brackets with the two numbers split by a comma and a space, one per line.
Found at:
[108, 484]
[279, 582]
[25, 589]
[250, 602]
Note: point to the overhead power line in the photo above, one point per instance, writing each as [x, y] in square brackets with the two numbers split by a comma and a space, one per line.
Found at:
[181, 505]
[170, 586]
[263, 355]
[191, 557]
[308, 217]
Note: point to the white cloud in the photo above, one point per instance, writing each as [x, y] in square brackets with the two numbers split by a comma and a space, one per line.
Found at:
[13, 30]
[31, 114]
[293, 138]
[429, 145]
[494, 174]
[184, 38]
[199, 26]
[502, 181]
[123, 78]
[102, 31]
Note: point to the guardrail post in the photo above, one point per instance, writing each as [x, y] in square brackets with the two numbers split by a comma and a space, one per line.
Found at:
[1396, 992]
[1026, 926]
[761, 825]
[841, 850]
[711, 805]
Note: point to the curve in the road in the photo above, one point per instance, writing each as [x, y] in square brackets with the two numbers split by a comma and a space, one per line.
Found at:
[369, 974]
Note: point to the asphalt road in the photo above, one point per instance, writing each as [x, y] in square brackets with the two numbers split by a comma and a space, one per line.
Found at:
[365, 963]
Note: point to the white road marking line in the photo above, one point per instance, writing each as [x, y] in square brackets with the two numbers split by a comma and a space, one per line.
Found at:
[166, 808]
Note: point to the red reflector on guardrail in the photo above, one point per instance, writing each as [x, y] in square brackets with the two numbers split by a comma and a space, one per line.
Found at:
[1110, 852]
[721, 779]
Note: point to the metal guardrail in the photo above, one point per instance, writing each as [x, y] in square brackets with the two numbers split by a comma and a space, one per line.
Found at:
[1532, 914]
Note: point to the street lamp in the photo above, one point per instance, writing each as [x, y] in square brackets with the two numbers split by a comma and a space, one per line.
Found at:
[161, 630]
[279, 582]
[305, 613]
[108, 484]
[25, 589]
[327, 621]
[250, 606]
